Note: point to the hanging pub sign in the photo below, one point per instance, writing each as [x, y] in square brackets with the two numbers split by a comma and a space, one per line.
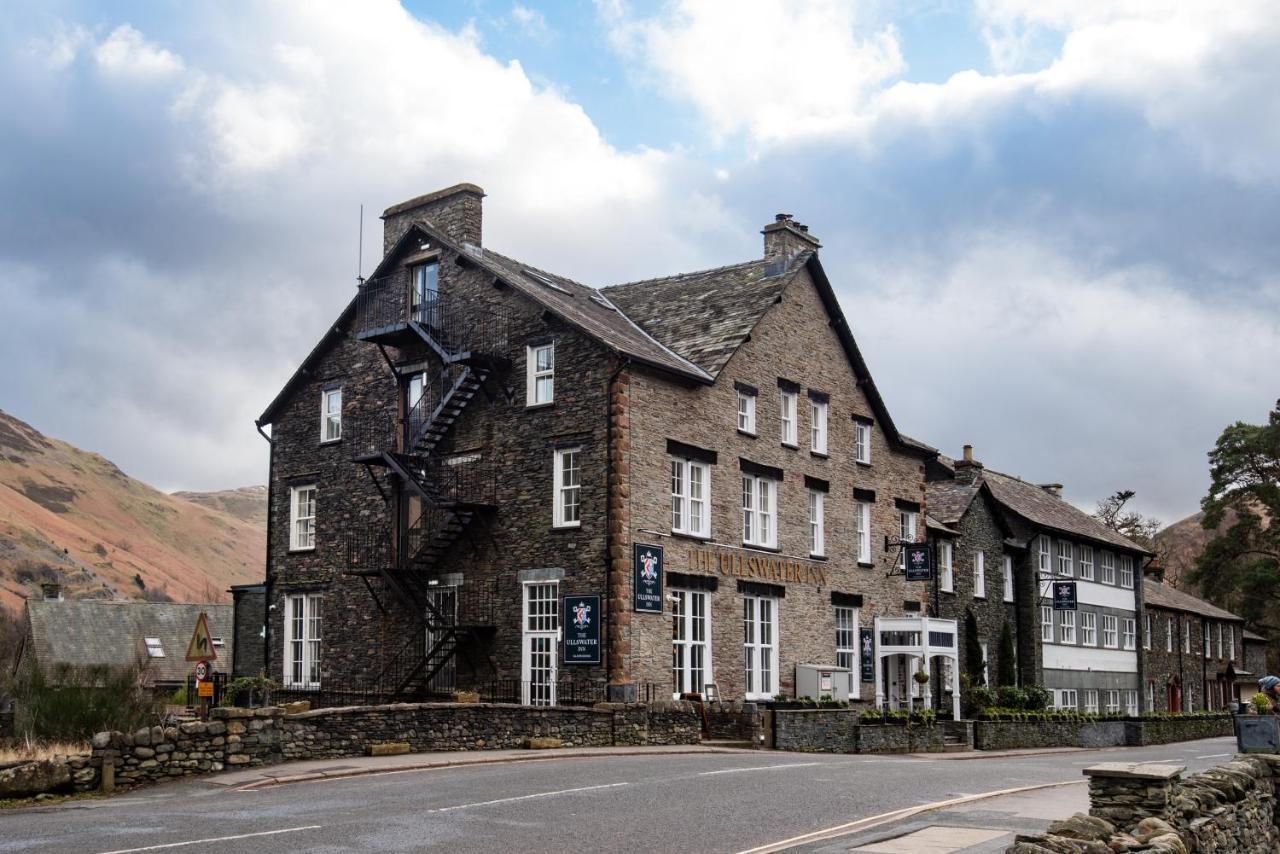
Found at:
[582, 629]
[646, 569]
[919, 567]
[866, 643]
[1064, 596]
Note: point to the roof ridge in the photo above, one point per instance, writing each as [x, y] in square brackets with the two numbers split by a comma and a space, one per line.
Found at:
[676, 276]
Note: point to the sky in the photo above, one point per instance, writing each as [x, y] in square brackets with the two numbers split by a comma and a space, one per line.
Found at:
[1052, 224]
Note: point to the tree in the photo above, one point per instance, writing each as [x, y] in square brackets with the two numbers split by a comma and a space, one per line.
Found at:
[973, 660]
[1240, 566]
[1128, 523]
[1006, 672]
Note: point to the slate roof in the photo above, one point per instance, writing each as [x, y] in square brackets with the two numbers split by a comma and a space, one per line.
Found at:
[949, 499]
[705, 316]
[1163, 596]
[1040, 507]
[934, 524]
[1254, 636]
[84, 633]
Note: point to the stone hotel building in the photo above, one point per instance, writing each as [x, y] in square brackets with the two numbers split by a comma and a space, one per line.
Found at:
[490, 476]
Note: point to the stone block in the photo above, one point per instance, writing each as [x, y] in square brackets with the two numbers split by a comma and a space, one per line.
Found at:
[542, 743]
[34, 777]
[388, 748]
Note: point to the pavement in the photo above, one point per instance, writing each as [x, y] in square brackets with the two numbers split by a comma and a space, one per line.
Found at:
[634, 799]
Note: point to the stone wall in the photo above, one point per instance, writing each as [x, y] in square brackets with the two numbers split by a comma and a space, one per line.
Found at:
[734, 720]
[1150, 807]
[1168, 730]
[840, 731]
[251, 737]
[1014, 735]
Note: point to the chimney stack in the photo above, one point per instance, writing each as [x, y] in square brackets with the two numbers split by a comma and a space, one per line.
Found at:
[784, 238]
[1054, 489]
[968, 470]
[456, 211]
[51, 591]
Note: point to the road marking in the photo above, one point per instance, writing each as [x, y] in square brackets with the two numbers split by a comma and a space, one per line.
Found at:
[1213, 756]
[526, 797]
[758, 768]
[214, 839]
[884, 818]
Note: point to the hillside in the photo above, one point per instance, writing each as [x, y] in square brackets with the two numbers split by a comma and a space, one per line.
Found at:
[73, 517]
[248, 503]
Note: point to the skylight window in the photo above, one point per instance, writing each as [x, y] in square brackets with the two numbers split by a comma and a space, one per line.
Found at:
[154, 648]
[541, 279]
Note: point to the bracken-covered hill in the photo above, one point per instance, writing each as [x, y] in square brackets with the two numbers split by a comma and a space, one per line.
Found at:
[71, 516]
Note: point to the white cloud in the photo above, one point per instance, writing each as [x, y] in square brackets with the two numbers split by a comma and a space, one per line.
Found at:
[531, 22]
[126, 53]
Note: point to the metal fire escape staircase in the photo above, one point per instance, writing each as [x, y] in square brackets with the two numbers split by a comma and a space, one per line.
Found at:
[452, 493]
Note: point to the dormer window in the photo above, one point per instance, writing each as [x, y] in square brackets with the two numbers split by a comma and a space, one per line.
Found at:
[425, 297]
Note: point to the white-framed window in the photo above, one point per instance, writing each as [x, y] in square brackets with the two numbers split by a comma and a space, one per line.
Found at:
[331, 415]
[1231, 642]
[759, 511]
[1151, 695]
[847, 643]
[1046, 624]
[1130, 633]
[746, 412]
[1108, 568]
[540, 374]
[539, 660]
[1045, 557]
[1008, 578]
[1065, 566]
[1067, 627]
[1088, 628]
[907, 520]
[1219, 640]
[986, 669]
[1110, 631]
[155, 649]
[690, 641]
[1186, 638]
[566, 491]
[1067, 699]
[1126, 571]
[862, 529]
[1091, 700]
[1130, 702]
[302, 636]
[946, 577]
[1086, 563]
[817, 523]
[787, 417]
[760, 646]
[1168, 634]
[980, 574]
[690, 494]
[425, 299]
[302, 518]
[1208, 642]
[862, 442]
[1113, 701]
[1146, 631]
[818, 426]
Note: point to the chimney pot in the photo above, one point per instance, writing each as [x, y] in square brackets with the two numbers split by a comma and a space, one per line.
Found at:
[51, 592]
[968, 453]
[1054, 489]
[967, 468]
[784, 238]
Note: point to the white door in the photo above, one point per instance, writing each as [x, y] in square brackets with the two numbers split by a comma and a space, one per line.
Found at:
[690, 642]
[760, 646]
[445, 602]
[539, 664]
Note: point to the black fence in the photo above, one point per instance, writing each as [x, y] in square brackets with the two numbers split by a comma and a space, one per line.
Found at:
[461, 329]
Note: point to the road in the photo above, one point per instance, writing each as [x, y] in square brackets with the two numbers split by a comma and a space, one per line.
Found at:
[708, 802]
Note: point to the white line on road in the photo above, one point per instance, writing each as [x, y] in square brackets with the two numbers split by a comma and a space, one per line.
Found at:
[214, 839]
[1213, 756]
[758, 768]
[529, 797]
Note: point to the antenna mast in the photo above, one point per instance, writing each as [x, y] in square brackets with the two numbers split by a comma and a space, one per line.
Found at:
[360, 251]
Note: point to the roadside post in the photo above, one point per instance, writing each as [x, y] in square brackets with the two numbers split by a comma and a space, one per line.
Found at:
[201, 651]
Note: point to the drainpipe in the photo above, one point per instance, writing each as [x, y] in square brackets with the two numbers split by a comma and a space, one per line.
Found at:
[266, 603]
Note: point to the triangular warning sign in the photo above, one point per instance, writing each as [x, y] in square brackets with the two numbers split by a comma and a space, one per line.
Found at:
[201, 646]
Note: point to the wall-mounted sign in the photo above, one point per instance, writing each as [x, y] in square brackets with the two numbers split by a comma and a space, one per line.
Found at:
[582, 629]
[919, 566]
[867, 647]
[646, 570]
[1064, 596]
[761, 567]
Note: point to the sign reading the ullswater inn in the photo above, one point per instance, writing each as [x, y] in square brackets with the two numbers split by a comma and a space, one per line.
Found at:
[582, 629]
[760, 567]
[646, 572]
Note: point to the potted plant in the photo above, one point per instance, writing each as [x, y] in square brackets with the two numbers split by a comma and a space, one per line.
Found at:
[921, 677]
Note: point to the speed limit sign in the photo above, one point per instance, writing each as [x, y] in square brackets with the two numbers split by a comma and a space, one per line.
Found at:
[202, 671]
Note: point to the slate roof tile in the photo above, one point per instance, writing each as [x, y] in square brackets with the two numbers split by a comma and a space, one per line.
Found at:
[1164, 596]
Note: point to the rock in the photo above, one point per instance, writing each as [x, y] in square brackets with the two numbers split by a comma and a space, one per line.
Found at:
[143, 736]
[237, 759]
[101, 740]
[296, 708]
[1167, 843]
[1122, 842]
[143, 752]
[542, 743]
[1081, 826]
[388, 748]
[32, 778]
[1151, 827]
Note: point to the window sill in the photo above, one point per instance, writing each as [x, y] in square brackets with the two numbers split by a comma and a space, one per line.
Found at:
[331, 441]
[758, 548]
[747, 433]
[576, 526]
[822, 455]
[983, 596]
[813, 556]
[866, 564]
[864, 463]
[790, 446]
[948, 592]
[301, 550]
[529, 407]
[681, 535]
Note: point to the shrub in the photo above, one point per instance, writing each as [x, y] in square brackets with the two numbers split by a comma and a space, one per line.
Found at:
[248, 691]
[1037, 698]
[80, 701]
[1011, 697]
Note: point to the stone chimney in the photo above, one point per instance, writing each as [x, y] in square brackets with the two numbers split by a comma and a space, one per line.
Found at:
[1054, 489]
[454, 210]
[785, 238]
[51, 591]
[967, 468]
[1154, 570]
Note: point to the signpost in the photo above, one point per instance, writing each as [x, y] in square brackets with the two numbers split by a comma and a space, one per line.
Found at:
[201, 651]
[582, 629]
[866, 643]
[919, 565]
[1064, 596]
[646, 571]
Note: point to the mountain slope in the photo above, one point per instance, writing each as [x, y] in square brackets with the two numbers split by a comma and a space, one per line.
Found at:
[73, 517]
[248, 503]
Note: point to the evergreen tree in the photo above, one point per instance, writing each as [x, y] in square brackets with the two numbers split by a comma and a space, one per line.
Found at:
[1006, 673]
[972, 650]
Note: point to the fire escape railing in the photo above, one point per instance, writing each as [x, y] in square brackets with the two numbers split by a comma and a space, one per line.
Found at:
[458, 329]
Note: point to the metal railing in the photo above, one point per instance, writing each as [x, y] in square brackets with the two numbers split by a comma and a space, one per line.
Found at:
[458, 327]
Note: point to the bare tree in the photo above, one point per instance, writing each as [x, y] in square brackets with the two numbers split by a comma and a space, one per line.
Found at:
[1129, 523]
